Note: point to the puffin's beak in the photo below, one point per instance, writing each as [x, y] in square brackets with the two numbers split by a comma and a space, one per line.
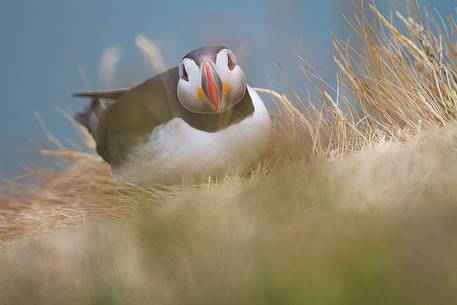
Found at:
[212, 85]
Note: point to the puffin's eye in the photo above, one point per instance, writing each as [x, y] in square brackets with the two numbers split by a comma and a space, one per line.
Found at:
[183, 72]
[231, 60]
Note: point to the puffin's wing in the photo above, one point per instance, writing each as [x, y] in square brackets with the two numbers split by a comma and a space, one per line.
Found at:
[100, 100]
[107, 94]
[130, 120]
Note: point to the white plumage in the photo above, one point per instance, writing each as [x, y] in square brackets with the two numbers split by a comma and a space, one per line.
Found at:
[179, 153]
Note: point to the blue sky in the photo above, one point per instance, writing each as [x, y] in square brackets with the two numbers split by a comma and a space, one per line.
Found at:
[45, 43]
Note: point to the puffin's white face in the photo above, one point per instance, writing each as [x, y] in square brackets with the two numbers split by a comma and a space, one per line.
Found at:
[211, 87]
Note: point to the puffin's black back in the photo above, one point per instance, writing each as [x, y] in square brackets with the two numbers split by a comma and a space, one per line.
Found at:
[132, 117]
[130, 120]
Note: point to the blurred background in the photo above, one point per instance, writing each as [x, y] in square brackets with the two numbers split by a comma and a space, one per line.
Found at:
[51, 49]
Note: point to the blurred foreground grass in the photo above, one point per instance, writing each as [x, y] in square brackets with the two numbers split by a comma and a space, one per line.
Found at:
[354, 204]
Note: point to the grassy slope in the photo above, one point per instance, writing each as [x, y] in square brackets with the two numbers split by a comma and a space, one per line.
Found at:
[353, 208]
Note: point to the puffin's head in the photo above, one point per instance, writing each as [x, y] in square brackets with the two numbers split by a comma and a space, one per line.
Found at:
[210, 80]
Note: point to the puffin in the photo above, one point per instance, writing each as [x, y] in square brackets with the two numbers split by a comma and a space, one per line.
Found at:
[190, 124]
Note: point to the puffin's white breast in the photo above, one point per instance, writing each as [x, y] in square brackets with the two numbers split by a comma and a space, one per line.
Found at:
[179, 153]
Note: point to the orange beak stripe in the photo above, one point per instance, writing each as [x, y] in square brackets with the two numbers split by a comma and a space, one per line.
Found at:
[213, 90]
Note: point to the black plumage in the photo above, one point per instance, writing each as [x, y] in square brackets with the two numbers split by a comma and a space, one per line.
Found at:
[134, 113]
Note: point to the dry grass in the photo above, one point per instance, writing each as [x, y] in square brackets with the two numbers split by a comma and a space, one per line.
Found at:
[354, 203]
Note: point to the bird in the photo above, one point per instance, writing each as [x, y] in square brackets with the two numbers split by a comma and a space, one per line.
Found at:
[195, 122]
